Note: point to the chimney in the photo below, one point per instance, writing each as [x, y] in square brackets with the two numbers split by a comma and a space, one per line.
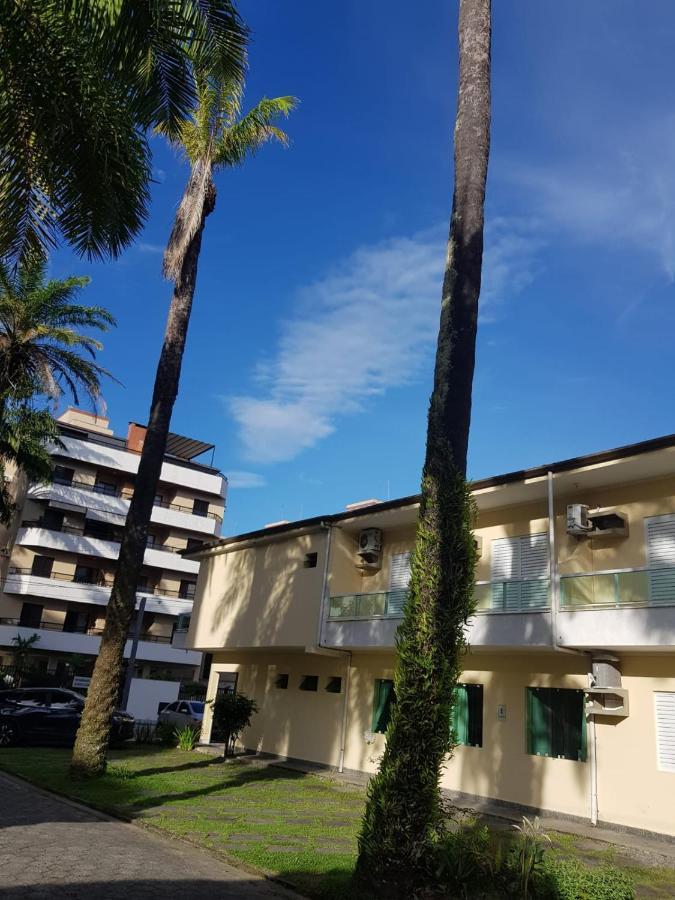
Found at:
[135, 437]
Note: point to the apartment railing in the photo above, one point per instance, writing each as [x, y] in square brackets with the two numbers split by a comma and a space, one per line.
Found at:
[376, 605]
[100, 580]
[99, 534]
[512, 595]
[618, 588]
[84, 629]
[126, 494]
[491, 597]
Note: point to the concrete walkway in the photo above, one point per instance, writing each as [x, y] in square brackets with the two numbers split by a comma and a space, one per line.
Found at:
[55, 848]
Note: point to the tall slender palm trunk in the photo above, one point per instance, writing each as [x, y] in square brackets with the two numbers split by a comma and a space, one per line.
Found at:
[402, 822]
[93, 736]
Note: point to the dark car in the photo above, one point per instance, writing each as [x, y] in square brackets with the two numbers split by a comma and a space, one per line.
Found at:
[49, 716]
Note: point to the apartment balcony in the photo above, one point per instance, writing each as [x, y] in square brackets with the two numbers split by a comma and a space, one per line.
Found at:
[513, 614]
[629, 609]
[99, 452]
[153, 648]
[75, 540]
[62, 586]
[107, 507]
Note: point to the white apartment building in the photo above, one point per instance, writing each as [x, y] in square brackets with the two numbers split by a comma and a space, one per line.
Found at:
[59, 563]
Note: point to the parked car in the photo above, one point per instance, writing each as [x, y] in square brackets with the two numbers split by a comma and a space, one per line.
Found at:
[183, 712]
[49, 716]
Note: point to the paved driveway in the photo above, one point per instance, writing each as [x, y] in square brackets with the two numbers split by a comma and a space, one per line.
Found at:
[52, 848]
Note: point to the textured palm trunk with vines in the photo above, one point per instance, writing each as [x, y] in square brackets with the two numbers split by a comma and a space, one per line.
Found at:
[403, 818]
[93, 736]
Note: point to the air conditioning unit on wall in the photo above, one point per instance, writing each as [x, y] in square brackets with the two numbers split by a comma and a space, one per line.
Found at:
[369, 553]
[583, 521]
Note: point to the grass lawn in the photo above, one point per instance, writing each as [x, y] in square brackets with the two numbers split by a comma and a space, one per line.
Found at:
[298, 827]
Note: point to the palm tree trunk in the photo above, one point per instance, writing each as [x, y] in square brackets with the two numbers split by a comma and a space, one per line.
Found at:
[403, 815]
[93, 736]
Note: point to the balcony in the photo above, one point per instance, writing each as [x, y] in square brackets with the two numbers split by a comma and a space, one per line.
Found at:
[64, 586]
[103, 505]
[83, 542]
[509, 614]
[154, 648]
[623, 609]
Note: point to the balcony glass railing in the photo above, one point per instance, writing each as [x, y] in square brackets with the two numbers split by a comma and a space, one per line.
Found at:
[377, 605]
[638, 587]
[512, 595]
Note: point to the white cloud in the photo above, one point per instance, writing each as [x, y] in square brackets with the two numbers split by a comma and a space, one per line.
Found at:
[149, 248]
[363, 329]
[240, 480]
[619, 192]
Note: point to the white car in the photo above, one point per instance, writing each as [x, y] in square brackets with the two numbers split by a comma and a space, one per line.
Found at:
[183, 712]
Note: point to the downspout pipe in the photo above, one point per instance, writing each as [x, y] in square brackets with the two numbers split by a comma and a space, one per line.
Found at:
[555, 607]
[325, 600]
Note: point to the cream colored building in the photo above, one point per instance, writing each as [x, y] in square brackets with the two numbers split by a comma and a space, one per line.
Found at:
[567, 698]
[60, 556]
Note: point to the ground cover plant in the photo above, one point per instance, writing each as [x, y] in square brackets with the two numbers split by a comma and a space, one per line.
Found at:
[303, 828]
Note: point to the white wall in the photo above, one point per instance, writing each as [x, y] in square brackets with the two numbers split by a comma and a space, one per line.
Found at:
[146, 694]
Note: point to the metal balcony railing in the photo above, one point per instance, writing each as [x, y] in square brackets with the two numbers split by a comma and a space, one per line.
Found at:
[100, 580]
[100, 534]
[84, 629]
[380, 604]
[616, 589]
[512, 595]
[126, 494]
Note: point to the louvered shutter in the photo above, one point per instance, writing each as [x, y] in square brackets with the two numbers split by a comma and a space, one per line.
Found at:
[661, 558]
[521, 563]
[665, 730]
[399, 579]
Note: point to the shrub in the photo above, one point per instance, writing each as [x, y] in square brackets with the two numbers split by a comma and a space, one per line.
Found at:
[231, 714]
[165, 733]
[571, 880]
[531, 844]
[187, 737]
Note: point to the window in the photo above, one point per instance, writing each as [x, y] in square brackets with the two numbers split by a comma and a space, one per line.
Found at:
[384, 697]
[193, 544]
[200, 508]
[281, 682]
[206, 666]
[183, 622]
[309, 683]
[187, 590]
[665, 730]
[467, 715]
[556, 724]
[520, 569]
[661, 558]
[31, 615]
[184, 708]
[142, 582]
[227, 682]
[105, 487]
[158, 501]
[42, 566]
[399, 579]
[86, 575]
[53, 519]
[63, 475]
[334, 685]
[310, 560]
[151, 540]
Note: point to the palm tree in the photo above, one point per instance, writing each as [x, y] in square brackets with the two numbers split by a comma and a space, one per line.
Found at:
[214, 137]
[42, 349]
[403, 817]
[81, 83]
[22, 649]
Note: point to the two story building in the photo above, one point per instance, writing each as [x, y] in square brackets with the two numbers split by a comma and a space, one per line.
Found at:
[59, 560]
[566, 702]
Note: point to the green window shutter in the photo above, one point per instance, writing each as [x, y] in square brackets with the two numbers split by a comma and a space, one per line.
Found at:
[556, 723]
[538, 722]
[384, 690]
[459, 720]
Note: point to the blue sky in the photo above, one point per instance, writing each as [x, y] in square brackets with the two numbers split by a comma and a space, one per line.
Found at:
[312, 338]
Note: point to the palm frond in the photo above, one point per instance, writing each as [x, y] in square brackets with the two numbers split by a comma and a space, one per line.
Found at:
[254, 129]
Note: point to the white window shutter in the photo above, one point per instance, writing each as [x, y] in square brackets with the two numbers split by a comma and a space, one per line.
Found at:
[534, 556]
[522, 562]
[399, 572]
[505, 561]
[665, 730]
[661, 558]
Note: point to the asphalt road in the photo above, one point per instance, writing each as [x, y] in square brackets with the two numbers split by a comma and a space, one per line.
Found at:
[53, 848]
